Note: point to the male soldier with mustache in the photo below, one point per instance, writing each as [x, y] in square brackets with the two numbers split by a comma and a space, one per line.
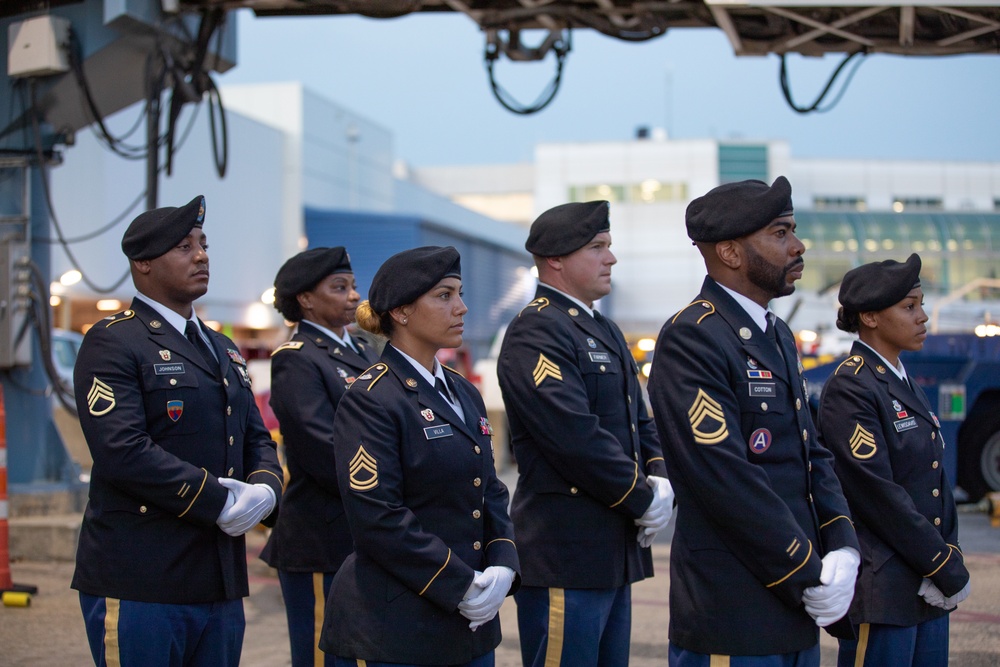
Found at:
[764, 550]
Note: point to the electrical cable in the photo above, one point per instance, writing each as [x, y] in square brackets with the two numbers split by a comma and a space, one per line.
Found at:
[787, 92]
[43, 327]
[221, 160]
[545, 97]
[44, 172]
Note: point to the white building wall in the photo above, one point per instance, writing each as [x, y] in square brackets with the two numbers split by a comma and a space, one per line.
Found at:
[244, 212]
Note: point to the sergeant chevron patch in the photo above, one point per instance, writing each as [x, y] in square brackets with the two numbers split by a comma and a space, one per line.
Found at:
[707, 409]
[546, 368]
[100, 398]
[364, 471]
[862, 443]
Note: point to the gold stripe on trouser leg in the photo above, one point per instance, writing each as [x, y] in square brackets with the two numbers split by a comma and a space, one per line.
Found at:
[362, 663]
[718, 661]
[319, 607]
[557, 627]
[859, 656]
[112, 650]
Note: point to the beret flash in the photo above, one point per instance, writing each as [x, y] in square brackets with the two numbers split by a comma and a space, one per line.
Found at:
[878, 285]
[407, 275]
[567, 228]
[305, 270]
[733, 210]
[155, 232]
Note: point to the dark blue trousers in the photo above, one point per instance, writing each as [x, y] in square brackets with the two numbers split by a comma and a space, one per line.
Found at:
[150, 634]
[923, 645]
[305, 601]
[487, 660]
[679, 657]
[574, 627]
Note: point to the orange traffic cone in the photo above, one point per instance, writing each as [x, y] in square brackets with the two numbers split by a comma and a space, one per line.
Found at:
[14, 595]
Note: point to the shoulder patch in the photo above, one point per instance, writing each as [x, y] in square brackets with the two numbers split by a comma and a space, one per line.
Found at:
[698, 310]
[119, 317]
[290, 345]
[851, 364]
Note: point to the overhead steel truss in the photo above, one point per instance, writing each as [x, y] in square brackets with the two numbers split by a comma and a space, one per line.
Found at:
[754, 27]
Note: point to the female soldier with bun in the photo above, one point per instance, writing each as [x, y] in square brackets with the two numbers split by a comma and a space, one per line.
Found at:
[889, 453]
[434, 547]
[309, 375]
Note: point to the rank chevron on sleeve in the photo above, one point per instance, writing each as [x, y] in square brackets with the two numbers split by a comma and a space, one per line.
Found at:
[546, 368]
[99, 391]
[364, 471]
[862, 443]
[707, 408]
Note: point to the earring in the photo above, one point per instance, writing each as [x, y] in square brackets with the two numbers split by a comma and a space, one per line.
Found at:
[404, 320]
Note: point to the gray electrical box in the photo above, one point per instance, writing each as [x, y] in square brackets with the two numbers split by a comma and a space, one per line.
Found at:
[15, 300]
[38, 47]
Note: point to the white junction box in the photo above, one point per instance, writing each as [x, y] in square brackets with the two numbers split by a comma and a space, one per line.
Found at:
[38, 46]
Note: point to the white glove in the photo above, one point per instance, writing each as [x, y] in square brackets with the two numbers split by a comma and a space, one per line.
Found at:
[486, 595]
[660, 510]
[830, 601]
[252, 503]
[931, 594]
[952, 602]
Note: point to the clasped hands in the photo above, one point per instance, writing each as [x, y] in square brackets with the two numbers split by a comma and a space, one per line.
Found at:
[933, 596]
[830, 601]
[486, 594]
[657, 516]
[246, 506]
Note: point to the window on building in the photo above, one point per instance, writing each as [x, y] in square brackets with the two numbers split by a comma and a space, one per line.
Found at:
[647, 192]
[912, 204]
[838, 203]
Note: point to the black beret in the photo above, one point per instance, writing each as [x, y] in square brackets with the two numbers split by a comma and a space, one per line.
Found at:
[155, 232]
[878, 285]
[407, 275]
[304, 271]
[567, 228]
[733, 210]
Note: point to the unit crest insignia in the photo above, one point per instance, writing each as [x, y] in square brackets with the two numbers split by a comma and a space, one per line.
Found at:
[427, 414]
[707, 409]
[165, 355]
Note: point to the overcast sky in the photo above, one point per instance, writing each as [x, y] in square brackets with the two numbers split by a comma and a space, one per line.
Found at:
[423, 78]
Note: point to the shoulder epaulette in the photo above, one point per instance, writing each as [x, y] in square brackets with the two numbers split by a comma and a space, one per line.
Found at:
[372, 375]
[854, 362]
[119, 317]
[708, 307]
[449, 368]
[290, 345]
[537, 305]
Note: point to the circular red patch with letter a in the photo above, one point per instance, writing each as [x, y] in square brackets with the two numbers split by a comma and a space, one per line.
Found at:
[760, 440]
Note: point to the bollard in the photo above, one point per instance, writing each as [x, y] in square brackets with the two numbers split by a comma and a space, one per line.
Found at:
[19, 595]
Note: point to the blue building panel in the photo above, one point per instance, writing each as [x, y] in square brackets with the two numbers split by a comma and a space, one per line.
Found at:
[492, 275]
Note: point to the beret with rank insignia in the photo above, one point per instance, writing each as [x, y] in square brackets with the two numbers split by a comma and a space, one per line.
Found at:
[407, 275]
[153, 233]
[734, 210]
[878, 285]
[567, 228]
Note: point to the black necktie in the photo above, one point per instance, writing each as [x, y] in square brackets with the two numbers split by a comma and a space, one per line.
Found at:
[771, 332]
[442, 389]
[191, 333]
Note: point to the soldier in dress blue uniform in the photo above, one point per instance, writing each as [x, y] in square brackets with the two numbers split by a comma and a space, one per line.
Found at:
[592, 491]
[309, 375]
[764, 550]
[434, 547]
[889, 452]
[183, 465]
